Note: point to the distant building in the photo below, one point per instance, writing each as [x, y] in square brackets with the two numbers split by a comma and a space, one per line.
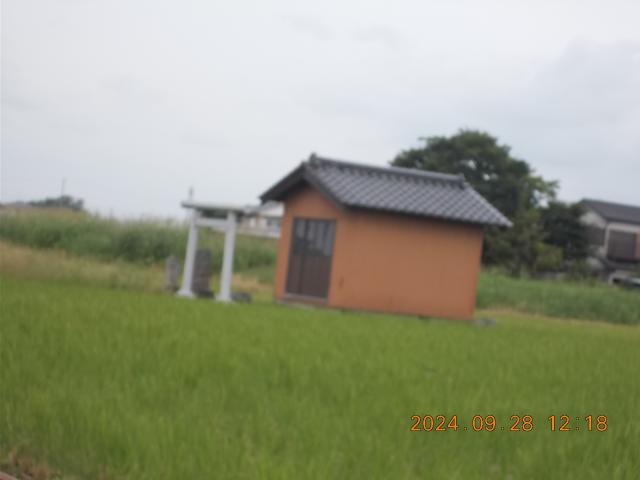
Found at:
[614, 236]
[263, 220]
[380, 238]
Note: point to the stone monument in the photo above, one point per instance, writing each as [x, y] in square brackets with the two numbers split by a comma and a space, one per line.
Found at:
[202, 274]
[172, 273]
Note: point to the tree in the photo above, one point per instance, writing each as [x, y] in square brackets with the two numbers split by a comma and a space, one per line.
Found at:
[63, 201]
[562, 228]
[508, 183]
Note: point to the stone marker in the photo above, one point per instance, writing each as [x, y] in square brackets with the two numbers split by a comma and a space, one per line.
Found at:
[484, 322]
[202, 274]
[241, 297]
[172, 273]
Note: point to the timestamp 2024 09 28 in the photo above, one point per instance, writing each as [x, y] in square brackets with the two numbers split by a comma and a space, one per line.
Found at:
[516, 423]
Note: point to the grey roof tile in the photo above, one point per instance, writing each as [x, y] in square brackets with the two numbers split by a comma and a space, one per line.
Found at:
[614, 212]
[391, 189]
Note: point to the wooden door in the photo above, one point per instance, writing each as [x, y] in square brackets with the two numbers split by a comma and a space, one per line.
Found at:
[310, 257]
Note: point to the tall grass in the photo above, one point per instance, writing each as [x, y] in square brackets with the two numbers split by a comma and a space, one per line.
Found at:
[149, 242]
[137, 241]
[61, 267]
[569, 299]
[113, 384]
[57, 266]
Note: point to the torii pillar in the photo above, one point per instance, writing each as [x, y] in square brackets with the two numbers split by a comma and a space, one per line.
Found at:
[204, 215]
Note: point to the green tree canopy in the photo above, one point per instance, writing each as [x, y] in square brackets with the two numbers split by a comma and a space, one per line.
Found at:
[563, 229]
[63, 201]
[508, 183]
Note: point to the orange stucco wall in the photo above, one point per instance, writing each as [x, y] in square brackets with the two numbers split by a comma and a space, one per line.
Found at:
[389, 262]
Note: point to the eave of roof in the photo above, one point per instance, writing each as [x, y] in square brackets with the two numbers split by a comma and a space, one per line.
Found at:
[391, 189]
[208, 206]
[614, 212]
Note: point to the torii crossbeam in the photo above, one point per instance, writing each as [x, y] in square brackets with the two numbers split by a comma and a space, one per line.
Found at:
[218, 217]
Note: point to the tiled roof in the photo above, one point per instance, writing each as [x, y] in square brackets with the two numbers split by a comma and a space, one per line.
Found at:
[391, 189]
[614, 212]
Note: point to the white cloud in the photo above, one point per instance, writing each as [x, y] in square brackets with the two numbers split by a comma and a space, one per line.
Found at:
[133, 102]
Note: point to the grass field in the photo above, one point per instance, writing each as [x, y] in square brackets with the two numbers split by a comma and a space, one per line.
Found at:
[102, 382]
[63, 268]
[589, 301]
[567, 299]
[142, 241]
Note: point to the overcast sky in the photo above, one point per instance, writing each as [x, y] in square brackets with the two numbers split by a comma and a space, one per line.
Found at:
[135, 101]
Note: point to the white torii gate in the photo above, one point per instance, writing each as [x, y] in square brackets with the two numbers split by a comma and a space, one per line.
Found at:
[218, 217]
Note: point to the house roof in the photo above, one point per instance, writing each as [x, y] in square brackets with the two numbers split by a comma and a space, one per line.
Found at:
[614, 212]
[391, 189]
